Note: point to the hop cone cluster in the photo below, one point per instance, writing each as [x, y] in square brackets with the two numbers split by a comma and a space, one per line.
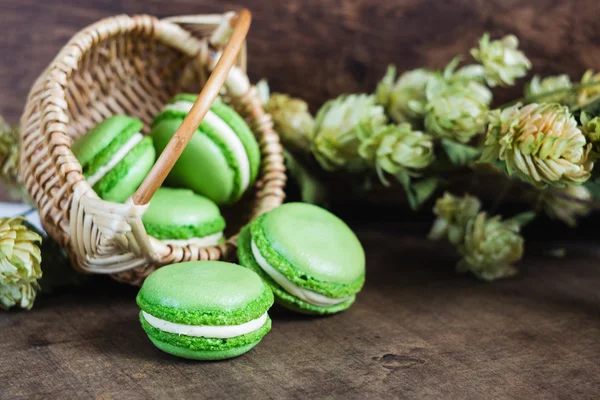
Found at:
[538, 87]
[9, 155]
[396, 150]
[501, 59]
[404, 99]
[490, 247]
[339, 125]
[457, 103]
[567, 204]
[591, 130]
[453, 213]
[292, 119]
[20, 259]
[540, 143]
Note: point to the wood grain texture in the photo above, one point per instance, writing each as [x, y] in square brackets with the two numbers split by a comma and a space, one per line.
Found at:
[416, 331]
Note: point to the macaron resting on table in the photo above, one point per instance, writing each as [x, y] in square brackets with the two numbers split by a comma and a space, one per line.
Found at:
[205, 310]
[181, 217]
[115, 157]
[309, 257]
[222, 159]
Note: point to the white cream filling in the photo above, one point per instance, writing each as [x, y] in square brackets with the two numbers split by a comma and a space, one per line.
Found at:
[206, 241]
[306, 295]
[208, 331]
[227, 135]
[119, 155]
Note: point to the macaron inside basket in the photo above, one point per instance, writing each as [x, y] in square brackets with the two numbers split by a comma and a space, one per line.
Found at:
[115, 157]
[181, 217]
[222, 159]
[309, 257]
[205, 310]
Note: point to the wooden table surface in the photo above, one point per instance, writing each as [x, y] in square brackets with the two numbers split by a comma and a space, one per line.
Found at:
[417, 330]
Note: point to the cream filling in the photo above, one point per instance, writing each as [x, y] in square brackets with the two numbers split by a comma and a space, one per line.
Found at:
[119, 155]
[306, 295]
[227, 135]
[206, 241]
[207, 331]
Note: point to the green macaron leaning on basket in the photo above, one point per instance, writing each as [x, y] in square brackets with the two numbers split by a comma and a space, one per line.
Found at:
[309, 257]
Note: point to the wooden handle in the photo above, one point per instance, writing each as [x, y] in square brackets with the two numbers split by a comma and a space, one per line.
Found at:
[210, 91]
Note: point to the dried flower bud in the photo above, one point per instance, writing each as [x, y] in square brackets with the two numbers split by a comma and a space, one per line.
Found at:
[339, 125]
[538, 87]
[490, 247]
[9, 156]
[591, 129]
[588, 94]
[20, 259]
[453, 213]
[540, 143]
[292, 119]
[398, 149]
[404, 100]
[501, 60]
[567, 204]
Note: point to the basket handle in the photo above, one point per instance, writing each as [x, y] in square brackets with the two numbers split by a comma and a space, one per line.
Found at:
[210, 91]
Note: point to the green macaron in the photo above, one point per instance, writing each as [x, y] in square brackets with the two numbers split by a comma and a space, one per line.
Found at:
[222, 159]
[205, 310]
[309, 257]
[115, 157]
[179, 216]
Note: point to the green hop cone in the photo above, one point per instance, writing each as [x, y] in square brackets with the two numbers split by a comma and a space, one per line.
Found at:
[567, 204]
[456, 110]
[590, 93]
[20, 259]
[339, 126]
[292, 120]
[502, 61]
[453, 214]
[9, 157]
[538, 87]
[540, 143]
[404, 99]
[397, 150]
[490, 247]
[591, 130]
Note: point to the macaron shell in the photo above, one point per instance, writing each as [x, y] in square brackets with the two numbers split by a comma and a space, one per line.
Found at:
[88, 146]
[201, 346]
[203, 355]
[181, 214]
[281, 295]
[205, 293]
[201, 167]
[123, 180]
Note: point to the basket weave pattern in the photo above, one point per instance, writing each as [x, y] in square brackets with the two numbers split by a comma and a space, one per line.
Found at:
[125, 65]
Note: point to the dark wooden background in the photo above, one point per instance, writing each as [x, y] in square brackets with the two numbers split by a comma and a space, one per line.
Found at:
[417, 330]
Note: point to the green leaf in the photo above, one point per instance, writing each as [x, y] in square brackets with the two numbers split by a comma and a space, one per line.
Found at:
[458, 153]
[311, 189]
[418, 192]
[523, 218]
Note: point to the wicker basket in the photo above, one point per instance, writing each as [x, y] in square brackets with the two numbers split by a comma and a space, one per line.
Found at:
[134, 65]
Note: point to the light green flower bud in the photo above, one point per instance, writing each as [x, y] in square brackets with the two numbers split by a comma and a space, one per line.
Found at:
[20, 259]
[537, 87]
[567, 204]
[404, 100]
[9, 157]
[398, 149]
[490, 248]
[453, 213]
[339, 126]
[501, 60]
[591, 130]
[590, 93]
[292, 120]
[456, 111]
[540, 143]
